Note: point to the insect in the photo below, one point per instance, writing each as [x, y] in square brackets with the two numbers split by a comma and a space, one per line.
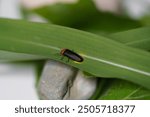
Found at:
[71, 55]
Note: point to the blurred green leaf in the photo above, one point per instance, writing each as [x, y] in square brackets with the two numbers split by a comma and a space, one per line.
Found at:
[138, 38]
[39, 68]
[146, 20]
[111, 87]
[120, 89]
[84, 15]
[13, 56]
[96, 22]
[102, 56]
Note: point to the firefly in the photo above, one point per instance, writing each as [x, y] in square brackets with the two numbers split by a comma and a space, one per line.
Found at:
[71, 55]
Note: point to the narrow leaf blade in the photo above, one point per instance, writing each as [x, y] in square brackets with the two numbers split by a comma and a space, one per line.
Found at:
[102, 56]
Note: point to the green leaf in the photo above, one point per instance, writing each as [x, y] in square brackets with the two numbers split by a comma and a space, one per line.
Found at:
[13, 56]
[120, 89]
[146, 20]
[96, 22]
[102, 56]
[138, 38]
[84, 15]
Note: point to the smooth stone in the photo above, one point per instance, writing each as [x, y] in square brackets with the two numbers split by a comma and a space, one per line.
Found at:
[55, 80]
[83, 87]
[60, 81]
